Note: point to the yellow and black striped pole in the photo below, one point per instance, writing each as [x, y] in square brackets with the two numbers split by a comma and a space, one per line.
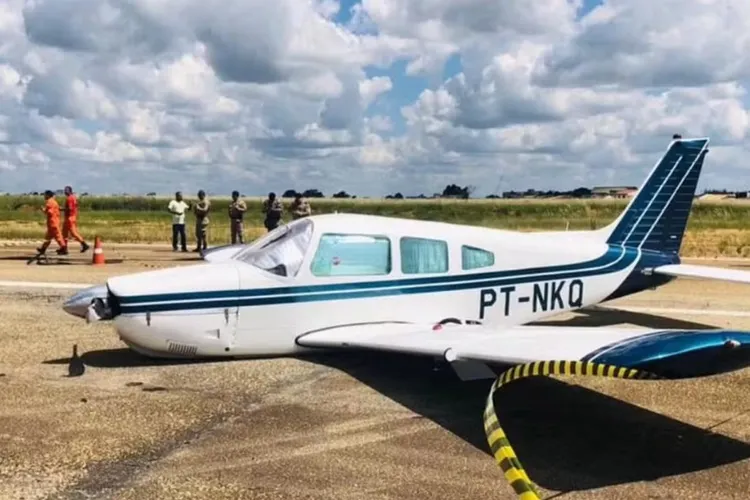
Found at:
[501, 449]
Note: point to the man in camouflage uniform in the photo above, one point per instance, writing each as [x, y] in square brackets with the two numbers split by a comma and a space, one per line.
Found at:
[201, 210]
[300, 207]
[236, 212]
[273, 209]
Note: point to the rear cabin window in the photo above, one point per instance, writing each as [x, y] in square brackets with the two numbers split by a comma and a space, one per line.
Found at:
[352, 255]
[423, 256]
[474, 258]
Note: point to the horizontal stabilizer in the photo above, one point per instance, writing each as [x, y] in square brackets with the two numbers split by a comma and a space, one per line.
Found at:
[703, 272]
[667, 353]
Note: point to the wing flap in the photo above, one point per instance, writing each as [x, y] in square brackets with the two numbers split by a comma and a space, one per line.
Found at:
[668, 353]
[704, 272]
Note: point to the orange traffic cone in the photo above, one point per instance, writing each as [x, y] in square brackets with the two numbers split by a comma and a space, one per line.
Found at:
[98, 258]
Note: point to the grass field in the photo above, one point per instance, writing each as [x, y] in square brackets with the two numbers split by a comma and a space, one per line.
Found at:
[716, 228]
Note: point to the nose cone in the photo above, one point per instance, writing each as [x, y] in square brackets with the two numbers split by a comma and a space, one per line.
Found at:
[78, 304]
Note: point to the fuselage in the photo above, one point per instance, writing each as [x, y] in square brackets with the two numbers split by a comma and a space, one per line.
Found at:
[339, 269]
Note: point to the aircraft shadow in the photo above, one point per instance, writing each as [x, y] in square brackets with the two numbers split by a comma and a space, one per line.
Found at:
[127, 358]
[602, 317]
[567, 437]
[56, 260]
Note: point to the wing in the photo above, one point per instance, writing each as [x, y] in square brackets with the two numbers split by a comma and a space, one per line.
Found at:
[667, 353]
[703, 272]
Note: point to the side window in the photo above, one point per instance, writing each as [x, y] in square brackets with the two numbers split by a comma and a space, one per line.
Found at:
[473, 258]
[352, 255]
[423, 256]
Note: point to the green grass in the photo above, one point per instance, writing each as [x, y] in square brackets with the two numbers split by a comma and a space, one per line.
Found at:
[715, 228]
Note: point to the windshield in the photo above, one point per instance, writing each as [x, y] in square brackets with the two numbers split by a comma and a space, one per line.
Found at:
[282, 251]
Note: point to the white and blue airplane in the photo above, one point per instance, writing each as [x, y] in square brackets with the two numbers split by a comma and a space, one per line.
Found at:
[459, 293]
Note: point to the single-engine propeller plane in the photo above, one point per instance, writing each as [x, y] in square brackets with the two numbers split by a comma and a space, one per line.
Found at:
[358, 281]
[462, 294]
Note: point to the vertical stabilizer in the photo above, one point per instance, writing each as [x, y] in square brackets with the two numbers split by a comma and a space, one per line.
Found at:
[657, 216]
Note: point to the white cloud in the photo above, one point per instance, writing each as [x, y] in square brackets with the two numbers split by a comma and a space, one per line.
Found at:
[645, 43]
[146, 96]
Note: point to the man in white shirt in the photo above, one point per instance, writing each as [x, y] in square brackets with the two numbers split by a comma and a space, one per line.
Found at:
[177, 208]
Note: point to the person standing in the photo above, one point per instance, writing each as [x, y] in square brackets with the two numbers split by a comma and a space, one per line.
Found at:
[177, 208]
[70, 225]
[52, 211]
[201, 210]
[273, 209]
[237, 211]
[300, 207]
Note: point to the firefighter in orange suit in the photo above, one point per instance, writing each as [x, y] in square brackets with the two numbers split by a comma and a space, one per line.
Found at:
[52, 210]
[70, 226]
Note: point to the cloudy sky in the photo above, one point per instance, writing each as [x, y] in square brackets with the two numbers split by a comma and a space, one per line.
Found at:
[368, 96]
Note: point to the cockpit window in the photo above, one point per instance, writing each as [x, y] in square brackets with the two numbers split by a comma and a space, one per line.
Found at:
[282, 252]
[474, 258]
[352, 255]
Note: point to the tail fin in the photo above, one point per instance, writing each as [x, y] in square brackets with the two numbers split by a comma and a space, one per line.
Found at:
[657, 216]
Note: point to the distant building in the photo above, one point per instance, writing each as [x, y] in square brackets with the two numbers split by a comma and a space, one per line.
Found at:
[614, 191]
[714, 196]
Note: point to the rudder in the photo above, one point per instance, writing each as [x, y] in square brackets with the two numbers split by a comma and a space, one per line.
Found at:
[657, 217]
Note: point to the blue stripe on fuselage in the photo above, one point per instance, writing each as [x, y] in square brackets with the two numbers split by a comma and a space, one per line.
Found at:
[615, 259]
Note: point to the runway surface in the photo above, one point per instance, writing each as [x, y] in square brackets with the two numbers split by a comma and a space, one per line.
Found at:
[347, 426]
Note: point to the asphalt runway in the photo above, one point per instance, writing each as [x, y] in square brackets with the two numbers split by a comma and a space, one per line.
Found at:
[347, 426]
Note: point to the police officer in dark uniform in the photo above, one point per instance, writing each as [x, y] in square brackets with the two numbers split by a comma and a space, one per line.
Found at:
[273, 209]
[236, 213]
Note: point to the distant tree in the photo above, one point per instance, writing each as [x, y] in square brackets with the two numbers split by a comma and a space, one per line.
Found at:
[397, 196]
[151, 194]
[455, 191]
[312, 193]
[289, 193]
[341, 194]
[492, 197]
[581, 192]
